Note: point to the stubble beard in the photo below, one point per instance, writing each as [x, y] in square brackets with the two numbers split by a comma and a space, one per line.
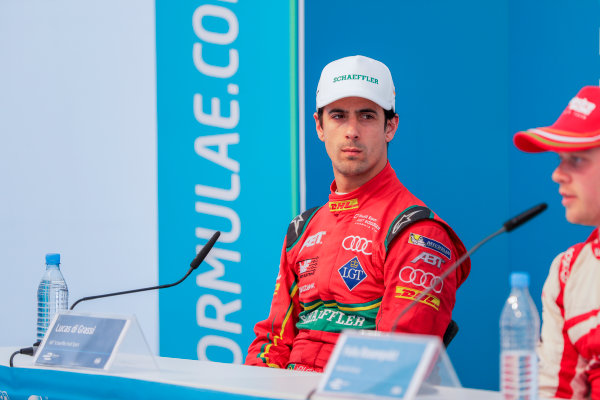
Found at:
[352, 165]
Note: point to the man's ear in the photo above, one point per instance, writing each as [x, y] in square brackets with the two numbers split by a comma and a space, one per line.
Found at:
[319, 128]
[391, 127]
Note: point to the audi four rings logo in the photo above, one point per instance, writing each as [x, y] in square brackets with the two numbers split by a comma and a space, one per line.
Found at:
[357, 244]
[418, 277]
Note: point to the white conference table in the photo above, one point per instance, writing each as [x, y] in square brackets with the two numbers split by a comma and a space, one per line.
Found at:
[174, 379]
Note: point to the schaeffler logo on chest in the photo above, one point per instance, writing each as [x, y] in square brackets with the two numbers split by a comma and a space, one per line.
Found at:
[352, 273]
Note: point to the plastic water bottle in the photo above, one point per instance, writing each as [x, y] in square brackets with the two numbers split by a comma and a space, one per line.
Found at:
[52, 294]
[519, 336]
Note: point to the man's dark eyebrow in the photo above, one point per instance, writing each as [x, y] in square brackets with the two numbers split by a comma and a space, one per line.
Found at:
[363, 110]
[369, 110]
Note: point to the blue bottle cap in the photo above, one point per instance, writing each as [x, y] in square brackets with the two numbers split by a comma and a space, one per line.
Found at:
[52, 258]
[519, 279]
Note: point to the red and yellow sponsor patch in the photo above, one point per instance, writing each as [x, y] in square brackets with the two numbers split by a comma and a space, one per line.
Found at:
[343, 205]
[411, 294]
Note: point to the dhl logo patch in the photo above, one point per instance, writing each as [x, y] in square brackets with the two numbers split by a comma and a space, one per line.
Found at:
[411, 294]
[343, 205]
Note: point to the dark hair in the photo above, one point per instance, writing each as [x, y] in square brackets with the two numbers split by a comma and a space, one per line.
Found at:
[388, 115]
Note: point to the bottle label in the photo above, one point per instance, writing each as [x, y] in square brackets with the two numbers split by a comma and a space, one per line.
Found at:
[518, 371]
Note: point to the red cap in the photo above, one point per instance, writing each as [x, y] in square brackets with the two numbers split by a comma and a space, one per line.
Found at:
[578, 127]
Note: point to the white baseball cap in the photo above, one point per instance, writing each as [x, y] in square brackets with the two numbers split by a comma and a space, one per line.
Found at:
[356, 76]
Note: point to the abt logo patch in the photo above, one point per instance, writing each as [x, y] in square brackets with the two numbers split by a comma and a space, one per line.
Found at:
[428, 243]
[344, 205]
[312, 240]
[352, 273]
[429, 259]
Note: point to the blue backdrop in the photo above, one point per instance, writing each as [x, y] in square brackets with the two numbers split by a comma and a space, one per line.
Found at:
[468, 74]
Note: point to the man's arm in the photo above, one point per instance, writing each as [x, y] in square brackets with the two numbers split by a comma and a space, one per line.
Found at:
[415, 260]
[589, 348]
[275, 335]
[552, 345]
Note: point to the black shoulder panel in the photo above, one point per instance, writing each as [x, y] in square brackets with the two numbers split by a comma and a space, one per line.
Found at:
[297, 227]
[407, 217]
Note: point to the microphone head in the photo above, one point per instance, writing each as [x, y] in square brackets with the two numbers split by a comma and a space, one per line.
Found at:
[525, 216]
[204, 251]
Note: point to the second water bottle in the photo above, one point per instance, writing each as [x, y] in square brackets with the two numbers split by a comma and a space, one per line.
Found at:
[519, 336]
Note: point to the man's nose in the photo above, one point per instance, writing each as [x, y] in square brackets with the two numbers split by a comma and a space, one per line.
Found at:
[352, 130]
[559, 175]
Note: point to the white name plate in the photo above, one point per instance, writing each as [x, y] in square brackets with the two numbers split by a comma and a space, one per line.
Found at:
[81, 341]
[379, 365]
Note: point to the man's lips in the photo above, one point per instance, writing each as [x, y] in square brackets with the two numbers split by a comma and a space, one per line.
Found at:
[351, 150]
[567, 197]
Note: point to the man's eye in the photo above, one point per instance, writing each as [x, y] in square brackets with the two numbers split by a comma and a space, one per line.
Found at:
[368, 116]
[336, 116]
[573, 161]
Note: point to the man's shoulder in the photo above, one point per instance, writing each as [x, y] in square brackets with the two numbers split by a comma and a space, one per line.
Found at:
[570, 254]
[565, 261]
[409, 216]
[298, 225]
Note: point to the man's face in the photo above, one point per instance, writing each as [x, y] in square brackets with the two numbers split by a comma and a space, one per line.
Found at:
[578, 176]
[356, 137]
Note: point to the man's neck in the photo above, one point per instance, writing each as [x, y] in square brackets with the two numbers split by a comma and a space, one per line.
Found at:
[347, 184]
[343, 186]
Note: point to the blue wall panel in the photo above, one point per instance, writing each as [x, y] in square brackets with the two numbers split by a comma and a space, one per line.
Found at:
[226, 161]
[465, 72]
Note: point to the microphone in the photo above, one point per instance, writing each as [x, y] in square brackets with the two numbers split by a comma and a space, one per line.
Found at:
[193, 265]
[508, 226]
[524, 217]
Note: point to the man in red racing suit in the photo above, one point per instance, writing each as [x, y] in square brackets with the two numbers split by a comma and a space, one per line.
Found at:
[341, 273]
[569, 350]
[359, 260]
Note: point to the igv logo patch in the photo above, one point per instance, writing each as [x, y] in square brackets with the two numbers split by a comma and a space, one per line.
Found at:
[352, 273]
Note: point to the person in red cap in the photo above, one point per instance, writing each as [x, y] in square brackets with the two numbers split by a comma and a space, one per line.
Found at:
[569, 351]
[360, 259]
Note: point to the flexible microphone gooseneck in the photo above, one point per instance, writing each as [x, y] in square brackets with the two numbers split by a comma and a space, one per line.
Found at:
[508, 226]
[193, 265]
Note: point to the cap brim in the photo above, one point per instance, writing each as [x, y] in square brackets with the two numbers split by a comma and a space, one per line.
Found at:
[323, 101]
[547, 139]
